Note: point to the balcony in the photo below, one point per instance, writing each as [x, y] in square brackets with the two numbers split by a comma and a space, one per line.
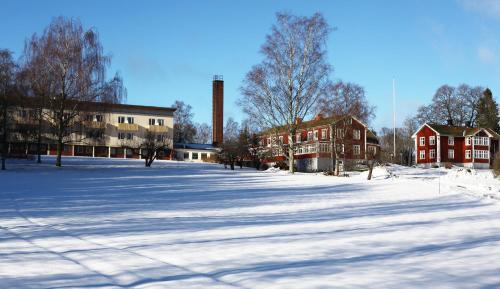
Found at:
[128, 127]
[311, 148]
[157, 128]
[94, 124]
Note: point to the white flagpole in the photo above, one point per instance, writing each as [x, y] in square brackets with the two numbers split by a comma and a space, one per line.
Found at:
[394, 116]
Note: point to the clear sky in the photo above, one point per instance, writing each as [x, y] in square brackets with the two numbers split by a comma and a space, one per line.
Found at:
[169, 50]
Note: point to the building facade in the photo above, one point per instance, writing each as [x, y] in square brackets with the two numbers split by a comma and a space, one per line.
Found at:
[113, 131]
[314, 142]
[436, 145]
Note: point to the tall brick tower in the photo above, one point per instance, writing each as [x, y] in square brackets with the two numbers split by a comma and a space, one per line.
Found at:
[217, 110]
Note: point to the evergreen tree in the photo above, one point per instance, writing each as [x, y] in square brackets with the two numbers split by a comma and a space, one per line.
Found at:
[487, 112]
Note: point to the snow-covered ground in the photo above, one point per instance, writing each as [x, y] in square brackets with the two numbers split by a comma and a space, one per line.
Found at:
[99, 223]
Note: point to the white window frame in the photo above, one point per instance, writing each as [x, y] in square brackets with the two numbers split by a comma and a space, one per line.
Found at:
[310, 136]
[152, 121]
[121, 119]
[356, 134]
[298, 137]
[356, 150]
[269, 142]
[468, 154]
[432, 154]
[280, 139]
[468, 141]
[451, 140]
[451, 154]
[422, 154]
[422, 141]
[161, 122]
[432, 140]
[130, 119]
[323, 134]
[316, 135]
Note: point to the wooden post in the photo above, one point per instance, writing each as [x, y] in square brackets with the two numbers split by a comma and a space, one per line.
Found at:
[93, 151]
[109, 152]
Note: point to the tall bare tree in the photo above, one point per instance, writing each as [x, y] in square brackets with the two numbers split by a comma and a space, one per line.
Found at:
[203, 133]
[184, 128]
[450, 105]
[7, 90]
[292, 76]
[346, 98]
[74, 61]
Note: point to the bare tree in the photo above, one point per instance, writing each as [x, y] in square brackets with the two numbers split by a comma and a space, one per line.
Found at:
[293, 75]
[7, 90]
[74, 60]
[153, 146]
[454, 106]
[344, 99]
[203, 133]
[230, 147]
[184, 129]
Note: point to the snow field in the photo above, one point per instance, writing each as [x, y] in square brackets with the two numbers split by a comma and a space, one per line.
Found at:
[100, 223]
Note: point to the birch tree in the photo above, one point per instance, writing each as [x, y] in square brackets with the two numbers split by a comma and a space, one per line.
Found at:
[73, 58]
[292, 76]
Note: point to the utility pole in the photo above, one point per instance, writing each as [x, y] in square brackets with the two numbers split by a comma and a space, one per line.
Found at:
[394, 117]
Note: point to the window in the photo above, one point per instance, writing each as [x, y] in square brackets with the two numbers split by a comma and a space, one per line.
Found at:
[130, 120]
[89, 117]
[432, 140]
[161, 122]
[186, 156]
[340, 133]
[315, 135]
[160, 138]
[121, 135]
[195, 156]
[298, 138]
[422, 154]
[422, 141]
[121, 119]
[99, 118]
[467, 154]
[467, 141]
[356, 150]
[152, 121]
[372, 150]
[340, 148]
[451, 154]
[130, 136]
[309, 135]
[432, 154]
[482, 141]
[481, 154]
[268, 141]
[323, 134]
[23, 114]
[451, 140]
[203, 156]
[356, 134]
[280, 139]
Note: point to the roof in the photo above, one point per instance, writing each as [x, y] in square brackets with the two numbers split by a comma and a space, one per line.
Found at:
[371, 137]
[195, 146]
[460, 130]
[310, 124]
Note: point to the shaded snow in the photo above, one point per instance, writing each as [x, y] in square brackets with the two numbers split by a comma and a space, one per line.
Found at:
[101, 223]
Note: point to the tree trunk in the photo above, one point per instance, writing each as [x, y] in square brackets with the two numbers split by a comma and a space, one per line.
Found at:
[291, 155]
[370, 167]
[39, 138]
[232, 165]
[59, 152]
[4, 136]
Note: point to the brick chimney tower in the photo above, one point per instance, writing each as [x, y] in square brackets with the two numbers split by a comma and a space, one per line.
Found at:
[217, 110]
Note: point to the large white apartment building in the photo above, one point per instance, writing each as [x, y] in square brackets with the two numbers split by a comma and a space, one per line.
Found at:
[116, 130]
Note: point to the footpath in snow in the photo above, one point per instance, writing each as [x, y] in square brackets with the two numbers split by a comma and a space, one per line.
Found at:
[99, 223]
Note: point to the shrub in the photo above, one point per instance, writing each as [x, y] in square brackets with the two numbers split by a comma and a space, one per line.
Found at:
[448, 165]
[496, 165]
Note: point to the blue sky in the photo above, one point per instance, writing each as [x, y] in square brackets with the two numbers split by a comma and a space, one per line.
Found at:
[169, 50]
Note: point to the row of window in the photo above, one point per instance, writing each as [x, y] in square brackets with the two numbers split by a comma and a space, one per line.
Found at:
[194, 156]
[314, 135]
[484, 141]
[130, 136]
[478, 154]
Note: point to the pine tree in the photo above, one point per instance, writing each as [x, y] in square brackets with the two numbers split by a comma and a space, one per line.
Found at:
[487, 112]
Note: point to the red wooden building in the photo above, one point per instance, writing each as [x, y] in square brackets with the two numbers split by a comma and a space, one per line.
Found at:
[312, 143]
[463, 146]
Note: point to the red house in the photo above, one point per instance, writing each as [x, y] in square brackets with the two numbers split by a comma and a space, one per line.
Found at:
[458, 145]
[312, 143]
